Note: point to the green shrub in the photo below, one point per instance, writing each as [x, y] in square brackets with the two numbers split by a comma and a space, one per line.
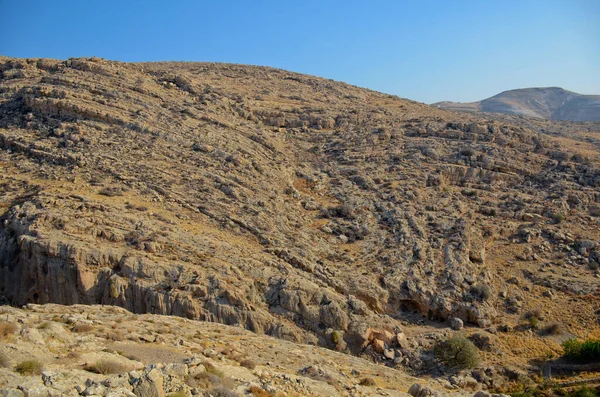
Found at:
[586, 351]
[457, 352]
[533, 322]
[558, 217]
[336, 337]
[584, 392]
[29, 367]
[481, 292]
[532, 318]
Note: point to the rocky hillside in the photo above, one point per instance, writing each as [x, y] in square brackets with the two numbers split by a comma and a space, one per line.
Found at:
[294, 206]
[551, 103]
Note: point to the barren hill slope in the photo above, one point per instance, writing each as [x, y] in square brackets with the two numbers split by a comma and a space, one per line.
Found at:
[291, 205]
[551, 103]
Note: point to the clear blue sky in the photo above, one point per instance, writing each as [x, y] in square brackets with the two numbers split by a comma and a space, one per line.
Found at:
[422, 50]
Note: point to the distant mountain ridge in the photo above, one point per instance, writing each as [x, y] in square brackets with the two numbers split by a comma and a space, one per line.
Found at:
[553, 103]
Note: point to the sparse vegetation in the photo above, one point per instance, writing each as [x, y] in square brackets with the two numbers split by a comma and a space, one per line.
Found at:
[555, 328]
[257, 391]
[557, 217]
[73, 354]
[533, 322]
[537, 313]
[457, 352]
[7, 329]
[469, 193]
[559, 155]
[111, 191]
[45, 325]
[317, 374]
[115, 336]
[221, 391]
[204, 380]
[247, 363]
[545, 391]
[29, 367]
[81, 328]
[368, 382]
[4, 360]
[584, 351]
[584, 391]
[211, 369]
[336, 337]
[106, 367]
[481, 292]
[344, 211]
[532, 318]
[467, 152]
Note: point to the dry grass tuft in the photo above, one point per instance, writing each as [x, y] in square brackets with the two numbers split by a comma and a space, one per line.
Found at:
[204, 380]
[211, 369]
[81, 328]
[555, 328]
[45, 325]
[115, 336]
[368, 382]
[7, 329]
[29, 367]
[4, 360]
[259, 392]
[221, 391]
[106, 367]
[247, 363]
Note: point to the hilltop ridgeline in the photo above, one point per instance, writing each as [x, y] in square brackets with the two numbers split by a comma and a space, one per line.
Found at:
[550, 103]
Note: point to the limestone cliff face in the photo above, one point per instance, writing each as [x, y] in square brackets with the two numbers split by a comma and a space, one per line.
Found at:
[287, 204]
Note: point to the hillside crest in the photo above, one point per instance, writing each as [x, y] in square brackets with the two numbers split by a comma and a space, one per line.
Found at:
[553, 103]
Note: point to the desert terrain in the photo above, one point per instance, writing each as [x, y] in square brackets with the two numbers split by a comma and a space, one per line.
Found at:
[196, 215]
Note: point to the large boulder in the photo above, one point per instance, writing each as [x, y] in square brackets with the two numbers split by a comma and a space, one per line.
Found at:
[150, 384]
[456, 324]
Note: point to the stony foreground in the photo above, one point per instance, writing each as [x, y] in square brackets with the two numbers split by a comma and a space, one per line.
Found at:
[153, 355]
